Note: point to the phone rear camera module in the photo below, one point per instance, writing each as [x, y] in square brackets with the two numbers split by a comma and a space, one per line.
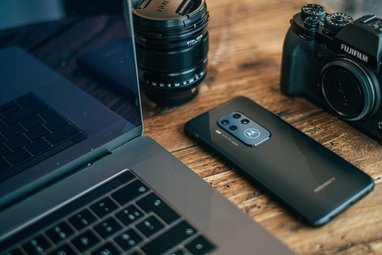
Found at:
[225, 122]
[245, 129]
[245, 121]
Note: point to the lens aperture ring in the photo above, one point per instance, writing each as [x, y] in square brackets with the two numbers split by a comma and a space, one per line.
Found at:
[171, 81]
[149, 19]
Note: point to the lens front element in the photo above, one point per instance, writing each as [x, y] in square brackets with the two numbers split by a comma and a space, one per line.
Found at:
[349, 90]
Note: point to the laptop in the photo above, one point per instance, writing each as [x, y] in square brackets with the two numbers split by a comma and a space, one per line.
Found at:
[78, 178]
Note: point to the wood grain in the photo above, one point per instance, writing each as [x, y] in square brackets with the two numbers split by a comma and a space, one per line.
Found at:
[246, 40]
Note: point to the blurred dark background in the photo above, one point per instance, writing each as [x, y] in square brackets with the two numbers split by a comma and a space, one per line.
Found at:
[356, 8]
[15, 13]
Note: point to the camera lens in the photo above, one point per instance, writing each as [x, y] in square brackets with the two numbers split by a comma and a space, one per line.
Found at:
[237, 115]
[225, 122]
[172, 45]
[245, 121]
[350, 90]
[233, 127]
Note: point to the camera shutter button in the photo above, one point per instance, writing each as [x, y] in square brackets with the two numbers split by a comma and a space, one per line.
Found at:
[311, 23]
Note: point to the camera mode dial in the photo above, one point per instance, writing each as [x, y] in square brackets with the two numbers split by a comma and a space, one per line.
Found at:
[311, 23]
[313, 10]
[334, 22]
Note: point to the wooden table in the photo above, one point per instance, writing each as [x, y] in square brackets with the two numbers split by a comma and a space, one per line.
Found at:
[246, 38]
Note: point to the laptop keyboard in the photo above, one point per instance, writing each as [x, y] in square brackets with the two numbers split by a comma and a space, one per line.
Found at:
[30, 132]
[123, 215]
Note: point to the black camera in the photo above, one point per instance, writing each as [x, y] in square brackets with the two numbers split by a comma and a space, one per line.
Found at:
[336, 62]
[172, 45]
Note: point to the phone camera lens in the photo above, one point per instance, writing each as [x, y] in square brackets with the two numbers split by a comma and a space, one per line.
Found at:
[245, 121]
[237, 115]
[225, 122]
[233, 127]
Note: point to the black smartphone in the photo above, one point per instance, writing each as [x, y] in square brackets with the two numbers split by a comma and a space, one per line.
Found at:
[310, 180]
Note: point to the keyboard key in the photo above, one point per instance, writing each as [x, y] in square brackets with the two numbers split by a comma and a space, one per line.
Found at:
[104, 207]
[169, 239]
[4, 150]
[108, 227]
[85, 241]
[63, 250]
[9, 108]
[149, 226]
[24, 113]
[82, 219]
[37, 146]
[180, 252]
[4, 165]
[129, 215]
[106, 249]
[18, 156]
[15, 251]
[200, 246]
[2, 139]
[129, 192]
[60, 232]
[53, 120]
[135, 253]
[12, 131]
[152, 203]
[17, 141]
[37, 132]
[37, 245]
[32, 121]
[126, 176]
[61, 134]
[128, 240]
[2, 125]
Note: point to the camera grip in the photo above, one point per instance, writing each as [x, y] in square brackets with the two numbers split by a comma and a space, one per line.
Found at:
[298, 62]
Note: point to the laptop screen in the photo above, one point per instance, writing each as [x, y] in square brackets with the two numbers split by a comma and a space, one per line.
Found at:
[106, 58]
[47, 123]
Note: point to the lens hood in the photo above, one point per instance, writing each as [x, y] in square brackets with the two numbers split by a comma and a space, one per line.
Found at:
[166, 24]
[156, 16]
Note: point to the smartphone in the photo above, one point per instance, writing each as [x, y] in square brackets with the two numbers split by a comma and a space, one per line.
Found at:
[313, 182]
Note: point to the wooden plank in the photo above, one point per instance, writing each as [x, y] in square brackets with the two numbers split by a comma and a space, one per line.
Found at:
[246, 38]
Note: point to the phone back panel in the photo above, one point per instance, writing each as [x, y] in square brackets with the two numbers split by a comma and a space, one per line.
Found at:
[311, 180]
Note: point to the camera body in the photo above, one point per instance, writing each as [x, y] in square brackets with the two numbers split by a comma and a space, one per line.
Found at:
[336, 63]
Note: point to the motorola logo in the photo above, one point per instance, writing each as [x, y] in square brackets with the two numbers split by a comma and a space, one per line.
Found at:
[252, 133]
